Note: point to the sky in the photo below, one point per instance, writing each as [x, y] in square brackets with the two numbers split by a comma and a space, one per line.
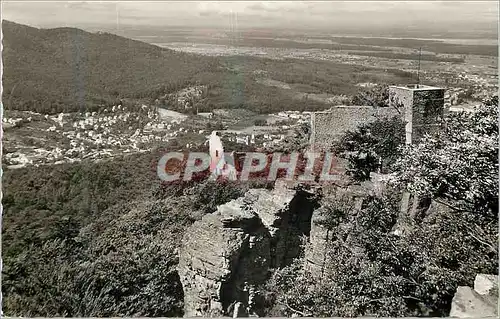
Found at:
[467, 15]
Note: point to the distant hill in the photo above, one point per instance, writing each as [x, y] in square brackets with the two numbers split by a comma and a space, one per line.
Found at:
[68, 69]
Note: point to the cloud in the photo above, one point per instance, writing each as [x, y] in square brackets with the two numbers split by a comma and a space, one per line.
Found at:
[270, 13]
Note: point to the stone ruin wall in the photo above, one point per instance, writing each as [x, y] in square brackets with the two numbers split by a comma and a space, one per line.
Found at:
[428, 106]
[329, 126]
[402, 100]
[427, 112]
[421, 109]
[318, 254]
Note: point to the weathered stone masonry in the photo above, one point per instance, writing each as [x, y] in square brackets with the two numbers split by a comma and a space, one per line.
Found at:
[421, 106]
[328, 126]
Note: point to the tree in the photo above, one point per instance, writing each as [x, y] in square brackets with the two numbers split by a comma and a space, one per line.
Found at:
[373, 272]
[459, 168]
[371, 147]
[260, 122]
[460, 165]
[293, 143]
[377, 96]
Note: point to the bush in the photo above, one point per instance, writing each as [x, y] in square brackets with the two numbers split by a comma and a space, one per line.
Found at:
[460, 165]
[376, 97]
[371, 147]
[260, 122]
[373, 272]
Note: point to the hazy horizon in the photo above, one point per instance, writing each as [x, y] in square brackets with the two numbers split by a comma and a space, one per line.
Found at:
[468, 17]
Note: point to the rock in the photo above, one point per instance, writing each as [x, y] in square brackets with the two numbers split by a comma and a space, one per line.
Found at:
[468, 303]
[414, 210]
[228, 253]
[239, 310]
[317, 255]
[486, 284]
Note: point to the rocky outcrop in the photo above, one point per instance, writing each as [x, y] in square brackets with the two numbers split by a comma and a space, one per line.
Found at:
[482, 301]
[316, 255]
[227, 254]
[486, 285]
[317, 252]
[414, 209]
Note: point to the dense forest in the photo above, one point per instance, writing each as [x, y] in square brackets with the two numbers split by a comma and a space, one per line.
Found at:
[98, 239]
[67, 69]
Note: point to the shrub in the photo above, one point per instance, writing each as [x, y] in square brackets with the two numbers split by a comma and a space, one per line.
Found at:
[373, 272]
[371, 147]
[260, 122]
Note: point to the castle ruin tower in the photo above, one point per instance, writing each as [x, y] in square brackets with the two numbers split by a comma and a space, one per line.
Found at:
[421, 106]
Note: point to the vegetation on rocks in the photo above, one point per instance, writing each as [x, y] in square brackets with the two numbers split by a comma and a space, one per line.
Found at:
[371, 147]
[101, 239]
[460, 164]
[378, 272]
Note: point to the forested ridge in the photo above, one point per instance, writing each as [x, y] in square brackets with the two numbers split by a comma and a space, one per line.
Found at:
[68, 69]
